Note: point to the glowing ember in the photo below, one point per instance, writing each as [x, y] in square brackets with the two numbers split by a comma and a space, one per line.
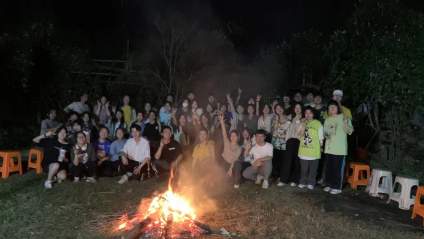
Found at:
[169, 215]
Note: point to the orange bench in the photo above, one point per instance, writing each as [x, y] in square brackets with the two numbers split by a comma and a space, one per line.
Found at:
[360, 175]
[418, 206]
[8, 165]
[35, 164]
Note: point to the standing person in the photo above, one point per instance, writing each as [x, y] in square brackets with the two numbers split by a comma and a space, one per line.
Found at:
[286, 104]
[139, 120]
[83, 159]
[56, 154]
[152, 128]
[309, 99]
[102, 147]
[261, 160]
[102, 110]
[116, 122]
[280, 126]
[128, 110]
[298, 98]
[169, 154]
[135, 157]
[49, 124]
[237, 115]
[165, 114]
[147, 108]
[231, 152]
[251, 121]
[336, 128]
[291, 165]
[78, 106]
[110, 167]
[338, 97]
[310, 149]
[265, 120]
[88, 127]
[320, 109]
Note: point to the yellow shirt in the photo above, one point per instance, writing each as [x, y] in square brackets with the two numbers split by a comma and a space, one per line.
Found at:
[127, 114]
[203, 154]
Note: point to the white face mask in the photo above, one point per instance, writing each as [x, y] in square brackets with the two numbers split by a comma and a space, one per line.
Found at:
[185, 104]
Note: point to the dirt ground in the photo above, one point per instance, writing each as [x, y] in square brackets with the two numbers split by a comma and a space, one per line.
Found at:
[84, 210]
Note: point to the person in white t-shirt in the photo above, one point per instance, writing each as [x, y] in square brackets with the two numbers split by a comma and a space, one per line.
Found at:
[79, 107]
[260, 160]
[136, 155]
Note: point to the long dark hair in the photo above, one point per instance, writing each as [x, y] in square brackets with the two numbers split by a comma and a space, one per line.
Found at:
[293, 113]
[115, 120]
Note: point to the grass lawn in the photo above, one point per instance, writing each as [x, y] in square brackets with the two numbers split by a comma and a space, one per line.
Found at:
[27, 210]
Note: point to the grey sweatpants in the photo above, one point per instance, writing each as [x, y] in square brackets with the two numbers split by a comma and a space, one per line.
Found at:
[308, 171]
[264, 170]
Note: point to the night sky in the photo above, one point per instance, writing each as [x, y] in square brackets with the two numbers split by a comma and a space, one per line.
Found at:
[105, 24]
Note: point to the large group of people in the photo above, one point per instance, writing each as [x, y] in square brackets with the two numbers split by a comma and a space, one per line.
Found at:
[298, 140]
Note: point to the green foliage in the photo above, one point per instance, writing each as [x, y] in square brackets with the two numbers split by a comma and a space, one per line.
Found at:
[380, 56]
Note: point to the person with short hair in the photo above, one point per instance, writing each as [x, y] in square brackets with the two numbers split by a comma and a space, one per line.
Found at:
[169, 154]
[261, 160]
[79, 107]
[56, 155]
[135, 157]
[338, 97]
[165, 114]
[310, 149]
[83, 159]
[50, 124]
[336, 128]
[102, 147]
[128, 111]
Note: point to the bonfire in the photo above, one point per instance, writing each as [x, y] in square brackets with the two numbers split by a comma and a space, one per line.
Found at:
[169, 215]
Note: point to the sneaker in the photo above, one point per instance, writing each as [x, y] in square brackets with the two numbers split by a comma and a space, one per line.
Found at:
[310, 187]
[236, 186]
[48, 184]
[90, 180]
[301, 185]
[280, 184]
[293, 184]
[123, 179]
[327, 189]
[76, 179]
[259, 179]
[335, 191]
[265, 184]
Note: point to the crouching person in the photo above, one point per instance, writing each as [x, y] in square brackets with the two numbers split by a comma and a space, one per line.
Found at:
[169, 153]
[261, 164]
[56, 155]
[110, 166]
[136, 156]
[83, 159]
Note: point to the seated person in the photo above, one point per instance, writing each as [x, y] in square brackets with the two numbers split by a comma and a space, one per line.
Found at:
[102, 146]
[169, 153]
[50, 124]
[136, 156]
[261, 163]
[110, 166]
[83, 159]
[56, 155]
